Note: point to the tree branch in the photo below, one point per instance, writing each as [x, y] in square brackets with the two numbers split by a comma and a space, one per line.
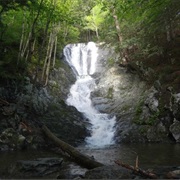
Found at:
[137, 170]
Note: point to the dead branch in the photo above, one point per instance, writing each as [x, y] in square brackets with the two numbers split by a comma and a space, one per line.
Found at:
[137, 163]
[137, 170]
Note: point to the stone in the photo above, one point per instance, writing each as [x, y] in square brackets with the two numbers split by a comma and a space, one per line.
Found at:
[175, 130]
[8, 110]
[42, 167]
[12, 139]
[109, 172]
[173, 174]
[176, 105]
[157, 133]
[152, 101]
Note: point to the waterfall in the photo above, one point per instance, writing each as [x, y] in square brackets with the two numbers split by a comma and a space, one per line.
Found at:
[82, 59]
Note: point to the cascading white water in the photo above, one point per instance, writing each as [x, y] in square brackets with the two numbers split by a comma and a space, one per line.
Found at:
[82, 59]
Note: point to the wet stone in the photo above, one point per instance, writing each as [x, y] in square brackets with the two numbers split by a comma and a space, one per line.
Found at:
[109, 172]
[39, 168]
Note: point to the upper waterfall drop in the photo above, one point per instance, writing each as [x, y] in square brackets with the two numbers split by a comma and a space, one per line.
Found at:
[82, 59]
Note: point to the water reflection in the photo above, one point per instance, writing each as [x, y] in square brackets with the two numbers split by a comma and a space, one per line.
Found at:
[150, 155]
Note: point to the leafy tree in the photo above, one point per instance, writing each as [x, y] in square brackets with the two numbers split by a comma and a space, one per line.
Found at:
[95, 19]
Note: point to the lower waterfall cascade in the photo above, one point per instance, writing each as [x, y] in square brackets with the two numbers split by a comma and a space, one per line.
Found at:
[82, 59]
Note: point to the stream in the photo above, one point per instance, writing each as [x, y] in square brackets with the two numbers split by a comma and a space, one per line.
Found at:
[153, 156]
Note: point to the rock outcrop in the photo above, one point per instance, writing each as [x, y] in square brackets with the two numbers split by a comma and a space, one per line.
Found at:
[146, 111]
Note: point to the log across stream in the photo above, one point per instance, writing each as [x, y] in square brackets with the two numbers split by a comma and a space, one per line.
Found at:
[80, 158]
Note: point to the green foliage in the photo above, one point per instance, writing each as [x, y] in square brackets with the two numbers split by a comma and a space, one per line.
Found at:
[151, 120]
[96, 18]
[139, 110]
[68, 34]
[143, 129]
[13, 21]
[144, 26]
[110, 93]
[9, 68]
[110, 62]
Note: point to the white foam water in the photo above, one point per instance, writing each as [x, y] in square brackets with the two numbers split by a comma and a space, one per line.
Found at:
[82, 59]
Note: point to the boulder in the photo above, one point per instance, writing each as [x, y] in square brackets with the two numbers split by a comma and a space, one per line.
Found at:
[173, 174]
[175, 130]
[176, 105]
[109, 172]
[157, 133]
[38, 168]
[152, 100]
[10, 140]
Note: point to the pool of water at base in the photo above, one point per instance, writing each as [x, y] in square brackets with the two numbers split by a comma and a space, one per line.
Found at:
[150, 156]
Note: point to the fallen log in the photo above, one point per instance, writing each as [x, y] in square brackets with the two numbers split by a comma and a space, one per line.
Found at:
[77, 156]
[137, 170]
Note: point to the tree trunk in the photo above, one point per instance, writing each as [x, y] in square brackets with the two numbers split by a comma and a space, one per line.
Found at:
[77, 156]
[55, 48]
[22, 40]
[32, 37]
[46, 58]
[97, 33]
[25, 46]
[118, 29]
[124, 52]
[45, 38]
[49, 60]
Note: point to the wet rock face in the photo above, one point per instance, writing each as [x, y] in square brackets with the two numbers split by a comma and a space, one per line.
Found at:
[144, 112]
[33, 105]
[60, 81]
[66, 123]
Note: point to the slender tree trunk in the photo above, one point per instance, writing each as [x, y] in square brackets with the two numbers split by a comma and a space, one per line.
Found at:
[49, 60]
[45, 38]
[168, 33]
[25, 46]
[55, 48]
[46, 58]
[32, 37]
[124, 52]
[97, 33]
[22, 40]
[118, 29]
[41, 50]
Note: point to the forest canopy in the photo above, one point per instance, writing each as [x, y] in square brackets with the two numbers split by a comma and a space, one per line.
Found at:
[33, 31]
